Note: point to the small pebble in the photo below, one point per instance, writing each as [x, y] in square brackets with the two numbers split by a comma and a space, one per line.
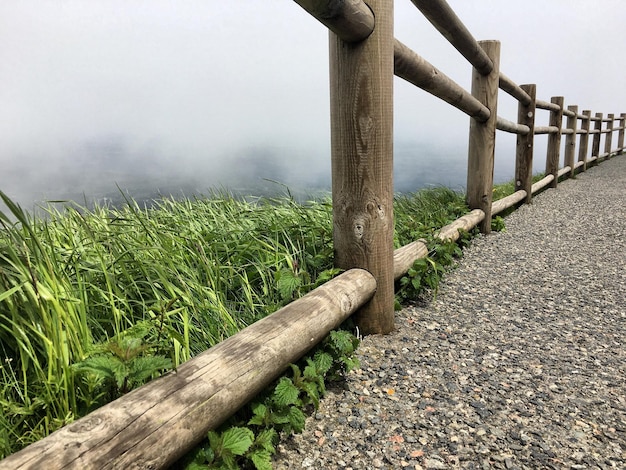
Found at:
[517, 363]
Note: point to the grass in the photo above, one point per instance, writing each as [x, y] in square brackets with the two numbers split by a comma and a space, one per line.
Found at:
[505, 189]
[95, 302]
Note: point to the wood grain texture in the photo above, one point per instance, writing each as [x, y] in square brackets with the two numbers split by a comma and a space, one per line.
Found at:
[351, 20]
[516, 91]
[361, 95]
[620, 136]
[470, 220]
[570, 139]
[547, 106]
[512, 127]
[482, 136]
[508, 201]
[154, 425]
[525, 143]
[416, 70]
[597, 135]
[405, 257]
[542, 183]
[608, 140]
[443, 17]
[546, 130]
[554, 140]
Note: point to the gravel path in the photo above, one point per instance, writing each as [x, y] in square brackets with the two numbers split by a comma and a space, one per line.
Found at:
[519, 363]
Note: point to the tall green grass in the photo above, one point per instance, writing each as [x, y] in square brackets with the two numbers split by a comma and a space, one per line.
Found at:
[176, 279]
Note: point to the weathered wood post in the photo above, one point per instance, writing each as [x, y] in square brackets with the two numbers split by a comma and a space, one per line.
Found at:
[525, 144]
[482, 137]
[620, 137]
[595, 147]
[584, 138]
[554, 141]
[570, 139]
[608, 141]
[361, 95]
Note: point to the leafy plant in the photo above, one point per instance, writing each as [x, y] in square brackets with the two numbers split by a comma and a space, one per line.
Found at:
[497, 224]
[124, 362]
[248, 440]
[426, 273]
[74, 284]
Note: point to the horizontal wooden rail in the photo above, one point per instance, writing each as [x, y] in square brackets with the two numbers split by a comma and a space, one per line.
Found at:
[411, 67]
[508, 201]
[154, 425]
[351, 20]
[563, 171]
[470, 220]
[545, 105]
[513, 89]
[542, 183]
[406, 256]
[512, 127]
[442, 17]
[546, 130]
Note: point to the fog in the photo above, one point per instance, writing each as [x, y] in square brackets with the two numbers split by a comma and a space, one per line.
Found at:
[180, 97]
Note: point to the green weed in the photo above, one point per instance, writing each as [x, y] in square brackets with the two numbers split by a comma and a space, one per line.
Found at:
[95, 302]
[248, 439]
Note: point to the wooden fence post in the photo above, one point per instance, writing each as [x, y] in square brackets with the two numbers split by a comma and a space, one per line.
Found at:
[620, 138]
[482, 137]
[584, 139]
[554, 141]
[525, 144]
[361, 96]
[608, 141]
[570, 139]
[595, 147]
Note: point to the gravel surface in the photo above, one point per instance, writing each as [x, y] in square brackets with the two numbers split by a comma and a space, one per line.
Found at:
[519, 362]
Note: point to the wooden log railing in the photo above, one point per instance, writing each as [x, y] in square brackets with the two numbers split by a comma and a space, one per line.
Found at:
[350, 20]
[154, 425]
[416, 70]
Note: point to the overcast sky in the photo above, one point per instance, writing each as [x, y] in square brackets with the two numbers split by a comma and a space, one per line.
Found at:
[205, 89]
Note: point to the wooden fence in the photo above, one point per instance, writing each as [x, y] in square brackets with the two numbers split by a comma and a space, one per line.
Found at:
[153, 426]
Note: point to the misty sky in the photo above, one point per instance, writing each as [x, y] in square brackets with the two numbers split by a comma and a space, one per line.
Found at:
[99, 92]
